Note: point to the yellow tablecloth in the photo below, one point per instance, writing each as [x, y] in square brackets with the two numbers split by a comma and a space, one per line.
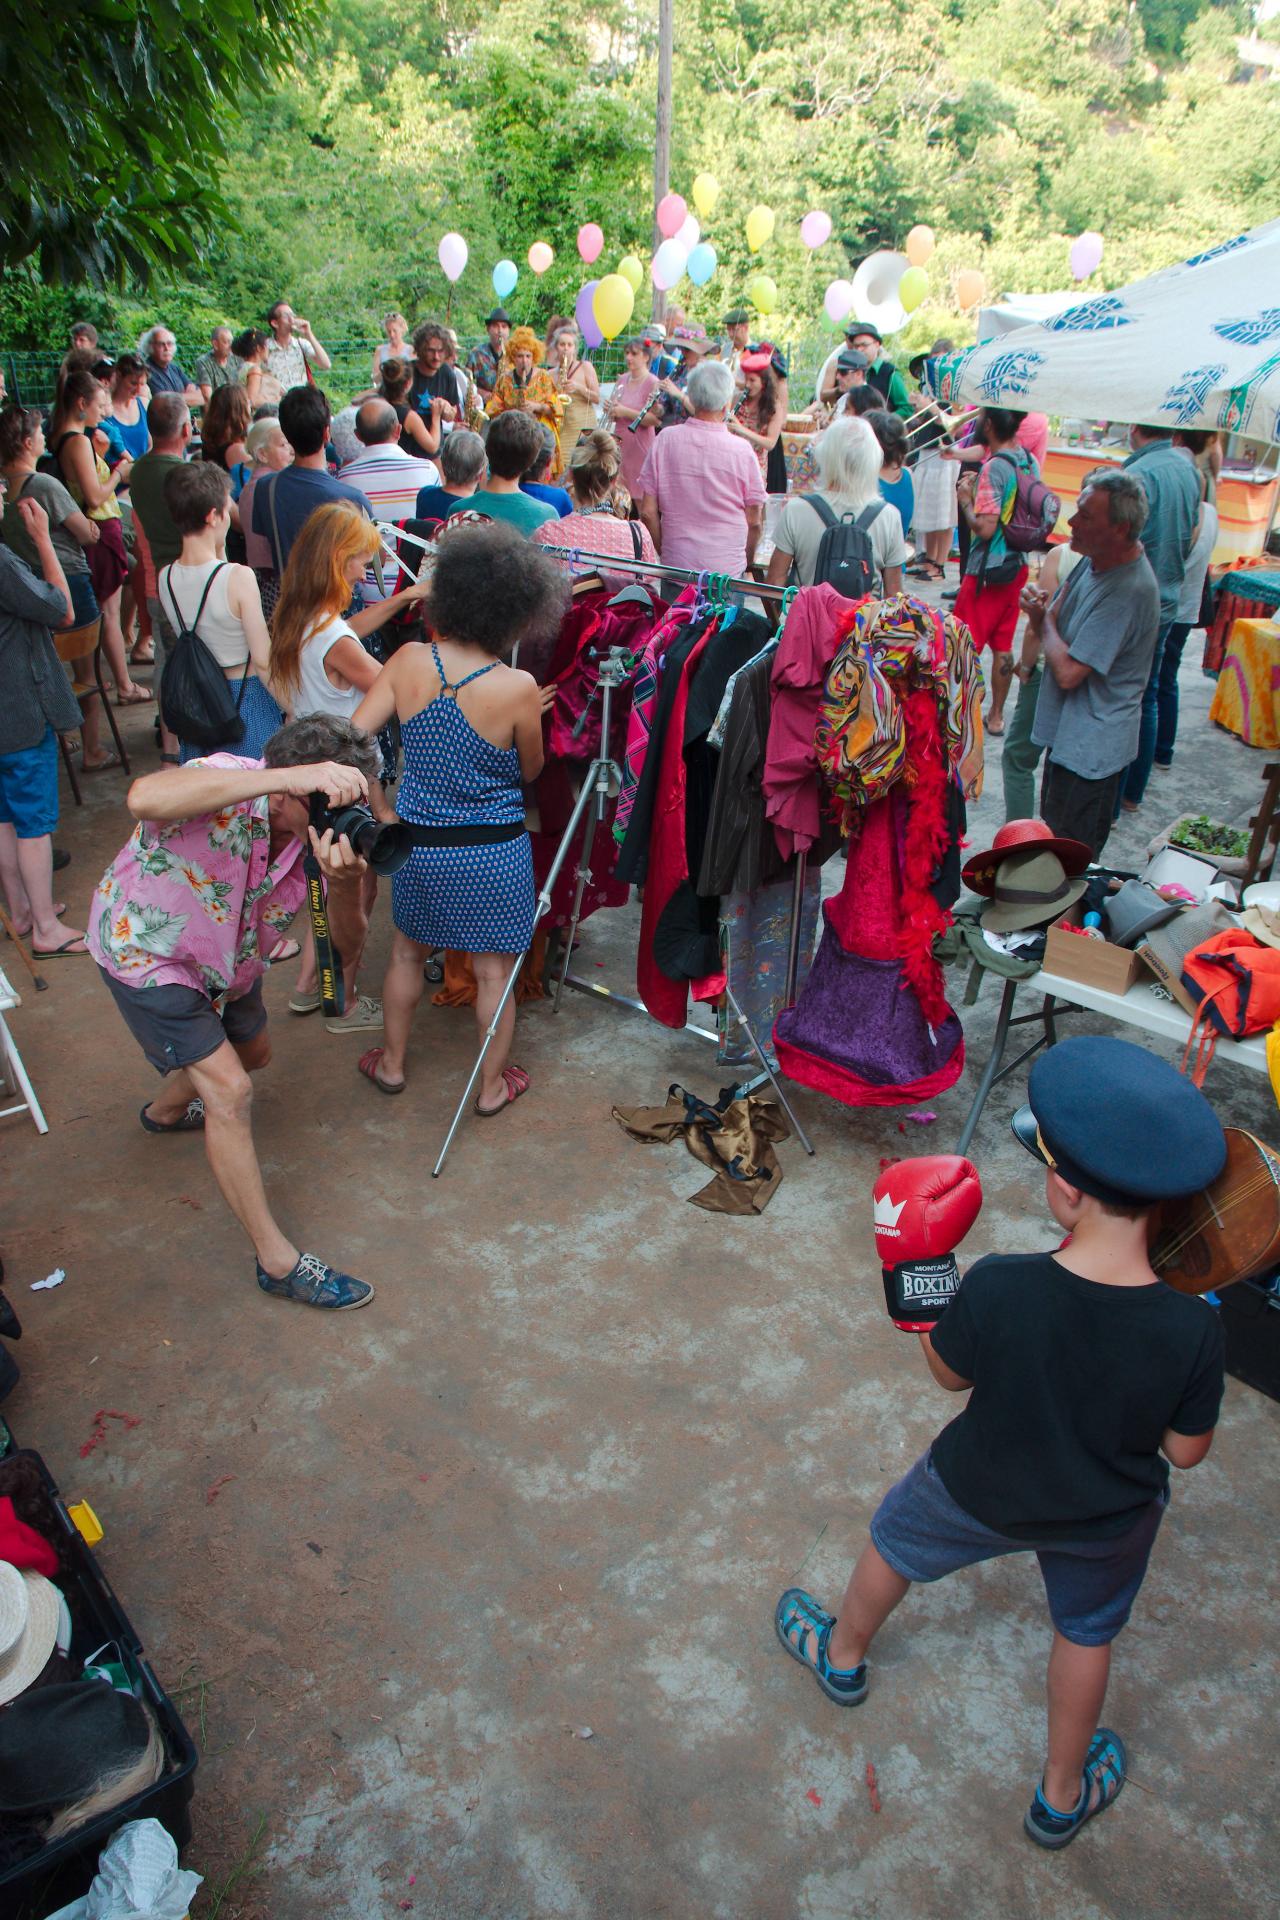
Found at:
[1247, 700]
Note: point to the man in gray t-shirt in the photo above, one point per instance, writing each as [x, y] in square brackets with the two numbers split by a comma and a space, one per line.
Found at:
[1099, 639]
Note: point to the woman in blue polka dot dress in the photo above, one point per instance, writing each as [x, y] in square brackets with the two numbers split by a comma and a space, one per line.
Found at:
[471, 728]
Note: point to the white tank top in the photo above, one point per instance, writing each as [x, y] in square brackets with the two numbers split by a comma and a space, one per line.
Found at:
[316, 692]
[219, 627]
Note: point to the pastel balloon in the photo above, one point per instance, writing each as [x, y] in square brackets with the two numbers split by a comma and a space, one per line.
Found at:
[452, 255]
[815, 228]
[970, 287]
[612, 304]
[671, 214]
[706, 191]
[540, 256]
[702, 263]
[837, 301]
[505, 275]
[669, 264]
[584, 314]
[760, 224]
[1085, 255]
[762, 293]
[632, 271]
[590, 242]
[913, 287]
[690, 233]
[918, 247]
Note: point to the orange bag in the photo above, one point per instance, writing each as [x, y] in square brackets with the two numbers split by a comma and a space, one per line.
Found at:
[1236, 980]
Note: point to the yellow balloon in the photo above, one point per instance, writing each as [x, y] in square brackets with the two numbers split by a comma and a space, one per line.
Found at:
[762, 293]
[919, 245]
[970, 287]
[706, 191]
[630, 270]
[612, 304]
[912, 287]
[759, 227]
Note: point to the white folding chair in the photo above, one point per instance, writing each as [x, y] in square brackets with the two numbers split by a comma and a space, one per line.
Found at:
[15, 1076]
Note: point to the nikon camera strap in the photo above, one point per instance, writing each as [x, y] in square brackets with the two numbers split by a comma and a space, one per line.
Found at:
[333, 993]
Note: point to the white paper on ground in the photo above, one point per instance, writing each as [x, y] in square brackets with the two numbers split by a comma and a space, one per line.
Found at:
[138, 1878]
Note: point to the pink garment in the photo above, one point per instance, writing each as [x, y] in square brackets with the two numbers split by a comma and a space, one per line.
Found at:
[810, 641]
[634, 447]
[187, 902]
[703, 478]
[598, 533]
[257, 547]
[1033, 434]
[644, 696]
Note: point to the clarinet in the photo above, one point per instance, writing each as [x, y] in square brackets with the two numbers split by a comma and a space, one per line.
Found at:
[634, 426]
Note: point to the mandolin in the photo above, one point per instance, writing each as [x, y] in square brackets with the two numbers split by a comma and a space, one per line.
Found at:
[1229, 1231]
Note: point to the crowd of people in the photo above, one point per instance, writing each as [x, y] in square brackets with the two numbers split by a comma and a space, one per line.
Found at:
[230, 510]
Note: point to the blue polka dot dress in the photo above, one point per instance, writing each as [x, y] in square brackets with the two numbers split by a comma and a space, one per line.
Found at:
[473, 899]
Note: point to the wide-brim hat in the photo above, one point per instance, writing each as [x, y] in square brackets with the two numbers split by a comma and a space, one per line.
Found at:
[980, 872]
[692, 339]
[1032, 887]
[1135, 910]
[29, 1610]
[1095, 1107]
[1263, 924]
[61, 1742]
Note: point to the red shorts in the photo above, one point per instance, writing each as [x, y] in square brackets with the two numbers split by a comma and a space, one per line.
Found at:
[990, 613]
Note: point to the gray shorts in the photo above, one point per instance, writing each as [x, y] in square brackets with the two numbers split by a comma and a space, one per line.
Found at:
[178, 1026]
[1090, 1585]
[162, 637]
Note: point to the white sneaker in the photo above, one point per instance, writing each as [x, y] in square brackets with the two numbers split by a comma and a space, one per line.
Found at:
[364, 1017]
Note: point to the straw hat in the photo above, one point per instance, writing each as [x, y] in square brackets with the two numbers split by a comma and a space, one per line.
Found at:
[1263, 924]
[29, 1610]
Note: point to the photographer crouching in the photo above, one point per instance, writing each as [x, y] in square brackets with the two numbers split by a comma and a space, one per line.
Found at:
[181, 925]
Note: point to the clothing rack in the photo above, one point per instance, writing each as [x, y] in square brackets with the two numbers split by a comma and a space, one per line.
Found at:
[689, 576]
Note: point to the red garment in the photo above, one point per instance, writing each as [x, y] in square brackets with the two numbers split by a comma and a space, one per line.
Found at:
[22, 1546]
[810, 641]
[667, 999]
[990, 612]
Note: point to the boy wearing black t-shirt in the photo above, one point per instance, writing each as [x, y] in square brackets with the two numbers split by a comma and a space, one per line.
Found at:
[1083, 1370]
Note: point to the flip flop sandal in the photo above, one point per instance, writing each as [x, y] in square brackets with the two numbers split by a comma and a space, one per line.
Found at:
[795, 1617]
[368, 1065]
[283, 950]
[67, 951]
[141, 697]
[192, 1120]
[516, 1081]
[100, 766]
[1104, 1767]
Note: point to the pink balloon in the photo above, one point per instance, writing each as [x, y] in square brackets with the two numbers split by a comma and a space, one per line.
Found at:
[452, 255]
[1085, 255]
[671, 215]
[815, 228]
[590, 242]
[838, 300]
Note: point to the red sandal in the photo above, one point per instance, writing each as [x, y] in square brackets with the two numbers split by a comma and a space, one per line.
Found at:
[516, 1081]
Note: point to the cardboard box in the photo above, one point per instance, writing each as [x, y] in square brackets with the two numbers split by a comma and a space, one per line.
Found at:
[1169, 979]
[1094, 963]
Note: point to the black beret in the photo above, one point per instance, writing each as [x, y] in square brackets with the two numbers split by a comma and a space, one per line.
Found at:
[1122, 1124]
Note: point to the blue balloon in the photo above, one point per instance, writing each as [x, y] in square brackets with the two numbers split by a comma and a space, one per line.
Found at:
[505, 275]
[702, 264]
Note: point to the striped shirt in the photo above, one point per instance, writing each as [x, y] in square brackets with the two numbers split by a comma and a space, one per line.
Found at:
[390, 481]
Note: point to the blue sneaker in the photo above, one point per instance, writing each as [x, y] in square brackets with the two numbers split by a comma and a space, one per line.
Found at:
[795, 1617]
[313, 1284]
[1104, 1767]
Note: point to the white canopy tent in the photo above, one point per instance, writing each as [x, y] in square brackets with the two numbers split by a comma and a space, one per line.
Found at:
[1021, 310]
[1196, 345]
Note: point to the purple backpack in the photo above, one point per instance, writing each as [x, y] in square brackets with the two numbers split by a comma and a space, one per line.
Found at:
[1035, 511]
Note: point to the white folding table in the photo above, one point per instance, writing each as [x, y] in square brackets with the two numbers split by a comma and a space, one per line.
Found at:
[1140, 1007]
[11, 1068]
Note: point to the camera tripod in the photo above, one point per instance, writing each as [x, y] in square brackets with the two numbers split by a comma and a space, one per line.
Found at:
[616, 669]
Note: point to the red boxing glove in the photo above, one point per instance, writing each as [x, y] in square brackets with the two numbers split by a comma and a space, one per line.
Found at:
[923, 1209]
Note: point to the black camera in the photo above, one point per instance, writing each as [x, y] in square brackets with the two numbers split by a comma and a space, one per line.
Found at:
[386, 845]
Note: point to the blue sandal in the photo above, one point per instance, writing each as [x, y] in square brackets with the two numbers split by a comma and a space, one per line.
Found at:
[797, 1615]
[1104, 1767]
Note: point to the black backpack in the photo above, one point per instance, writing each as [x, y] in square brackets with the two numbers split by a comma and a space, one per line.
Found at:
[846, 558]
[196, 702]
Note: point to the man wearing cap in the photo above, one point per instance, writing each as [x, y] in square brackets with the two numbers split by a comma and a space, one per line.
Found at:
[1098, 637]
[661, 363]
[1087, 1377]
[484, 363]
[882, 374]
[692, 343]
[850, 372]
[737, 324]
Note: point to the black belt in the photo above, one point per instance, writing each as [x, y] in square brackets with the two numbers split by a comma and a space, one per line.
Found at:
[475, 836]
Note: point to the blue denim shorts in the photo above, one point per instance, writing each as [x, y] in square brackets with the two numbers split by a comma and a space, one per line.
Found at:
[1090, 1585]
[29, 788]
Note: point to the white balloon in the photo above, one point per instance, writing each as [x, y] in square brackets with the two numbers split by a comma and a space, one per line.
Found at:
[690, 233]
[669, 264]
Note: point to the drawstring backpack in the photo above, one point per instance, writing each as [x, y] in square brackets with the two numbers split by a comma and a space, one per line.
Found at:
[1236, 980]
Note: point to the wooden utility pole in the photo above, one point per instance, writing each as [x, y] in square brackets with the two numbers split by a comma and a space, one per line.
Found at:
[662, 132]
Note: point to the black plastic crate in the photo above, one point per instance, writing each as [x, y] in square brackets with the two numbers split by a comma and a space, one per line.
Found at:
[1251, 1330]
[63, 1870]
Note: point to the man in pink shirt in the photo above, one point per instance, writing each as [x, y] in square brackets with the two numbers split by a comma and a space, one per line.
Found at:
[702, 496]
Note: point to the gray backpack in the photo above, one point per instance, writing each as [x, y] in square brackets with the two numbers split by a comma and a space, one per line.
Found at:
[846, 559]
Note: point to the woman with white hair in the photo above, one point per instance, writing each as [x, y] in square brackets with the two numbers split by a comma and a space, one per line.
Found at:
[702, 495]
[848, 459]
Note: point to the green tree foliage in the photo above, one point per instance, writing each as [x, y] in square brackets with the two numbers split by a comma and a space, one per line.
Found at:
[1008, 126]
[112, 119]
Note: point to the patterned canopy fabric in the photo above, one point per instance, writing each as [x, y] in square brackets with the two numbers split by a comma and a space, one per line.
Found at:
[1196, 345]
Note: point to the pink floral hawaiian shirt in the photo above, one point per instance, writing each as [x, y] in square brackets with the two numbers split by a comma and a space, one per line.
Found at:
[185, 902]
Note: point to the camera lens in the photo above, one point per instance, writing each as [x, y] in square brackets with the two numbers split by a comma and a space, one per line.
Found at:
[384, 844]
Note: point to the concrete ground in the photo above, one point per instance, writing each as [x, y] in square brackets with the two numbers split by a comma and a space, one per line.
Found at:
[554, 1478]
